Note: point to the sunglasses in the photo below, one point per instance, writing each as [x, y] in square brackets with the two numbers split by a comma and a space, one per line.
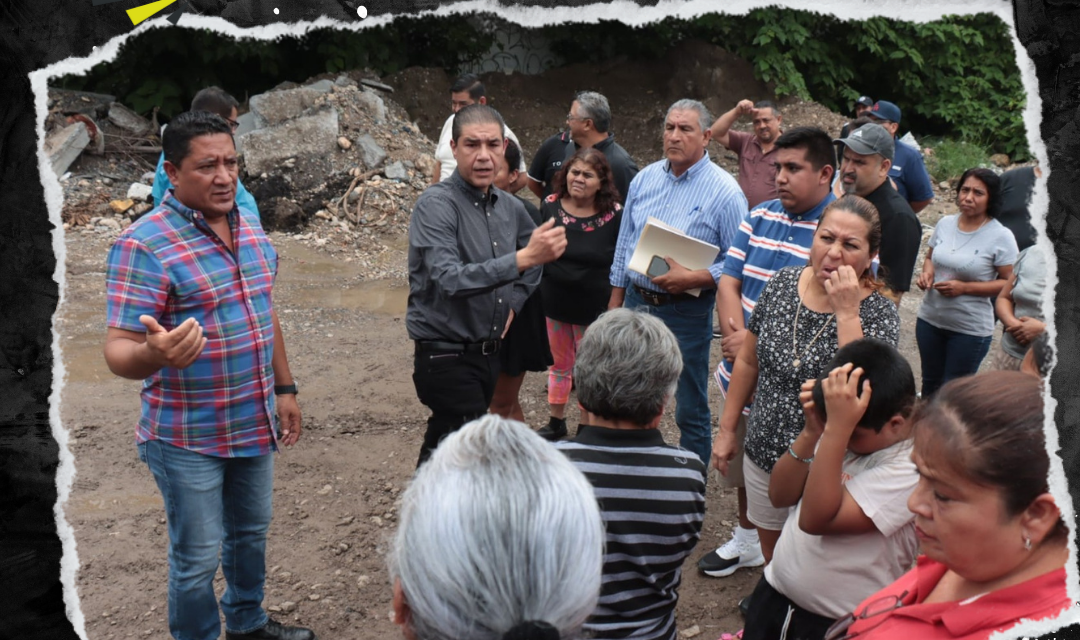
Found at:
[874, 609]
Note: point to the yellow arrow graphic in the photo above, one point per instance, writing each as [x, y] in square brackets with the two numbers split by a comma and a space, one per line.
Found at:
[138, 14]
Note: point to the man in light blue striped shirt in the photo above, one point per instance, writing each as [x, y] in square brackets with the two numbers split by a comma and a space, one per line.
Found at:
[691, 193]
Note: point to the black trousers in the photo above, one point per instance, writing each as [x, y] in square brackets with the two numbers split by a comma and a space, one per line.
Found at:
[456, 386]
[773, 617]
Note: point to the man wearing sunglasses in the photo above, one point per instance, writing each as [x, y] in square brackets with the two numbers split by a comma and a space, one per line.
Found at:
[214, 100]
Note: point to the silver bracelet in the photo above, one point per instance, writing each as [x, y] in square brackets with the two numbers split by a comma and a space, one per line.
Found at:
[792, 453]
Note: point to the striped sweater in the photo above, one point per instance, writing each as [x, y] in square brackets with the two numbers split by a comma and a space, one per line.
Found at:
[652, 498]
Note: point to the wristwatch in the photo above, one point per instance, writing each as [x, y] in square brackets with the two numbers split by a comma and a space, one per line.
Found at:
[285, 389]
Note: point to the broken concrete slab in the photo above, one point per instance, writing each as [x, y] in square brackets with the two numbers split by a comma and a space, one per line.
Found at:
[63, 146]
[274, 107]
[308, 140]
[128, 120]
[373, 104]
[370, 151]
[95, 105]
[377, 85]
[322, 86]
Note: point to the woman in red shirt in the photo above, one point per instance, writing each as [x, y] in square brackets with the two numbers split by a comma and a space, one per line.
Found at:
[993, 540]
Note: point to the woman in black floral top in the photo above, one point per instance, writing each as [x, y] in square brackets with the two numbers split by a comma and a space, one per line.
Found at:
[576, 288]
[802, 317]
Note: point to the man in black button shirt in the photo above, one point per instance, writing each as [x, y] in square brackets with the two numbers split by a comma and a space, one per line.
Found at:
[587, 122]
[474, 258]
[864, 171]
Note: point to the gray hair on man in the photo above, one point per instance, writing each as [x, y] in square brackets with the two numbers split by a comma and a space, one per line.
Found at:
[705, 118]
[499, 532]
[475, 114]
[594, 106]
[627, 366]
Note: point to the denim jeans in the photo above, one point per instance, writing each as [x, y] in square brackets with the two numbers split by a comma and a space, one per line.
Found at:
[213, 503]
[691, 322]
[947, 355]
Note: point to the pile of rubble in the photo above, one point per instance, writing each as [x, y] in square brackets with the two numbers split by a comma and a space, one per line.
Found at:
[339, 155]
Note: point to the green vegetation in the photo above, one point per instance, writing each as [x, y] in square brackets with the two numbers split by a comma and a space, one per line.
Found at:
[953, 78]
[951, 158]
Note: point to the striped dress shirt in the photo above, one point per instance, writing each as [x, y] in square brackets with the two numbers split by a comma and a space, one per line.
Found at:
[705, 202]
[768, 240]
[170, 265]
[652, 500]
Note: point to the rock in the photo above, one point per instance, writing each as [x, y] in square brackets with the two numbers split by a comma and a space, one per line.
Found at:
[128, 120]
[64, 145]
[322, 86]
[377, 85]
[944, 184]
[275, 107]
[288, 606]
[139, 191]
[120, 206]
[363, 581]
[325, 491]
[370, 151]
[691, 632]
[397, 171]
[372, 103]
[1000, 159]
[344, 81]
[426, 163]
[110, 223]
[138, 210]
[148, 177]
[309, 139]
[313, 597]
[344, 143]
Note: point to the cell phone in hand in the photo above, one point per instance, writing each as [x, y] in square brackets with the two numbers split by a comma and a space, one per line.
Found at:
[657, 267]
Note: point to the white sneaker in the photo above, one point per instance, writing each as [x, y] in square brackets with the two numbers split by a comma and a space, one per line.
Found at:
[731, 556]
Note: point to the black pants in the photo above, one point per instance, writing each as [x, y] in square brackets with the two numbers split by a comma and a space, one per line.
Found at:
[773, 617]
[456, 386]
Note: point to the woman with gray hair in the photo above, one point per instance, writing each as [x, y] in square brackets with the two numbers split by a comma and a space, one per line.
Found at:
[652, 494]
[500, 539]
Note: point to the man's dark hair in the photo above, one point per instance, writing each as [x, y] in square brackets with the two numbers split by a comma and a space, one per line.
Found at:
[512, 155]
[476, 114]
[767, 104]
[214, 100]
[176, 141]
[858, 122]
[817, 145]
[892, 385]
[468, 82]
[993, 188]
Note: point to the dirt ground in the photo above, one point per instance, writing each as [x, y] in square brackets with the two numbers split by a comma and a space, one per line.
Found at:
[341, 301]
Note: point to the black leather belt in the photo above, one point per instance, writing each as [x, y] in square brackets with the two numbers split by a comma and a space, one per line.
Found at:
[659, 299]
[487, 347]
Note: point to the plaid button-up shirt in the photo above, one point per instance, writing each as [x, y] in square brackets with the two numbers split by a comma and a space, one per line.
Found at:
[171, 266]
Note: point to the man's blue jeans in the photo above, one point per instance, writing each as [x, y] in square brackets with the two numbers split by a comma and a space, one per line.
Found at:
[213, 503]
[691, 322]
[946, 355]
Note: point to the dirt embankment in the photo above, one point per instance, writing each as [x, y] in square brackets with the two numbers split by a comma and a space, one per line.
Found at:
[341, 298]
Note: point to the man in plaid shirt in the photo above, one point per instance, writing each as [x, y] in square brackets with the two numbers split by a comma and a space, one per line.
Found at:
[189, 292]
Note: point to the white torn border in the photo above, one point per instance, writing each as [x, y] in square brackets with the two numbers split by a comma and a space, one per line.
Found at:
[627, 13]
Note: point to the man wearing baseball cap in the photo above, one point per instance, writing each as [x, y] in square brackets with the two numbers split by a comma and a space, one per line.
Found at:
[908, 170]
[862, 105]
[866, 158]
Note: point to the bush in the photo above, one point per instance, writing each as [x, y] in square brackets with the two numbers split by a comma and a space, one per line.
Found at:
[951, 158]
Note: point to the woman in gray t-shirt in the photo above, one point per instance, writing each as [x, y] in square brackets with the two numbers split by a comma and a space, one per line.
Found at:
[1020, 308]
[969, 260]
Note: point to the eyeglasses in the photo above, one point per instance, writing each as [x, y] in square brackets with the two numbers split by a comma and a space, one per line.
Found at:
[233, 124]
[876, 608]
[571, 117]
